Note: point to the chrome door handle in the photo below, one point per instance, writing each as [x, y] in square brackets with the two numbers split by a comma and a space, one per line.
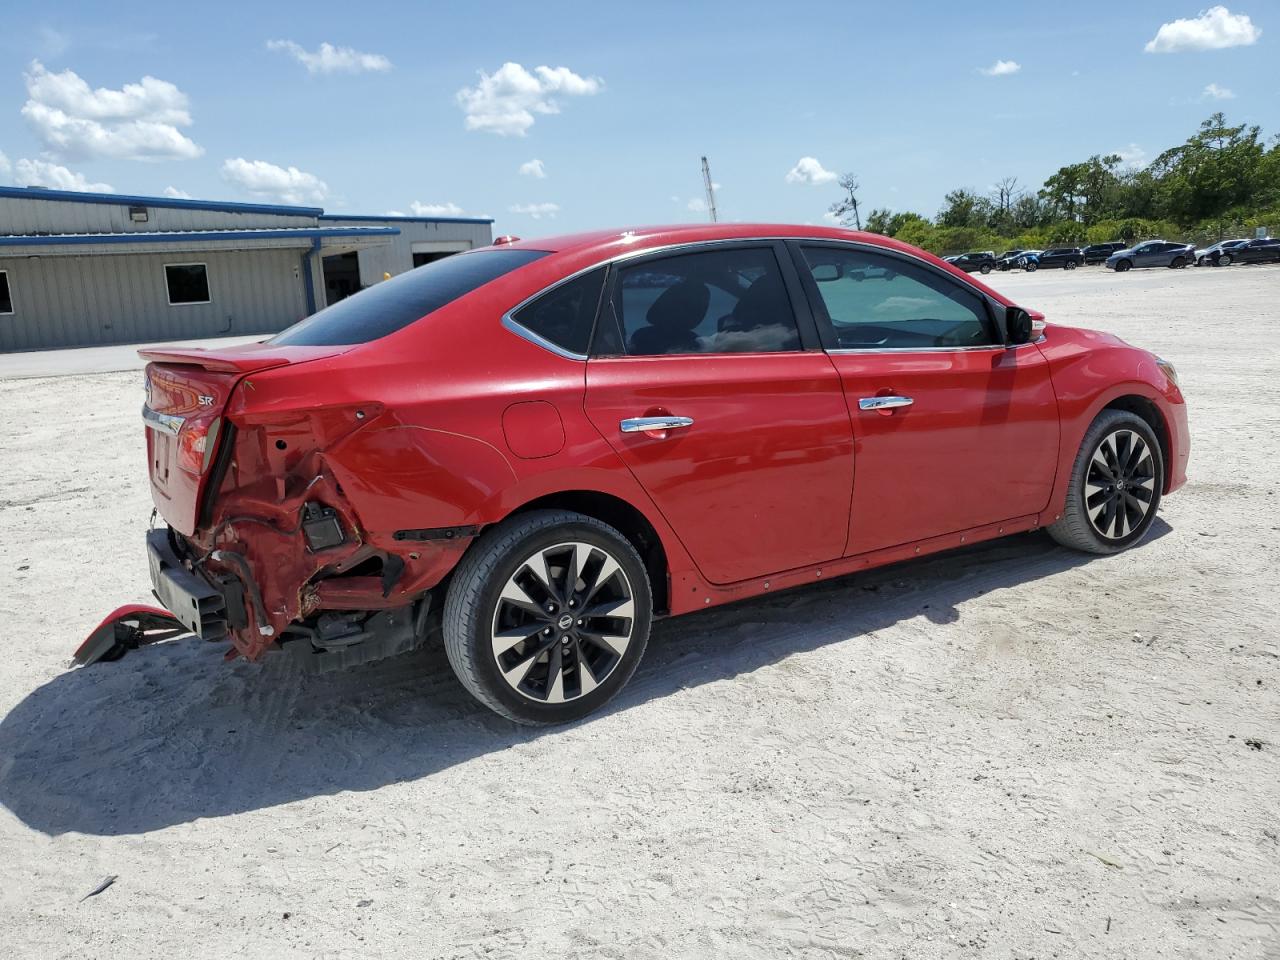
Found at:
[884, 403]
[647, 424]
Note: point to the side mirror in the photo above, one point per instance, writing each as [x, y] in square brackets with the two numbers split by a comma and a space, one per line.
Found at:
[826, 272]
[1018, 326]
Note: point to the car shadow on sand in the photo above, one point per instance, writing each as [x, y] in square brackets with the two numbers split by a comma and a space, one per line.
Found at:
[172, 734]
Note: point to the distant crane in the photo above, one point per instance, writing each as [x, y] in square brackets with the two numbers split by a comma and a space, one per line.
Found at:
[711, 189]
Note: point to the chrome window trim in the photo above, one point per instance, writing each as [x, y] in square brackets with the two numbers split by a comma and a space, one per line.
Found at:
[162, 422]
[992, 347]
[509, 321]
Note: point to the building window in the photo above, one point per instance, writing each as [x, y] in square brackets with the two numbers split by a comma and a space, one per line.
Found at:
[6, 301]
[188, 283]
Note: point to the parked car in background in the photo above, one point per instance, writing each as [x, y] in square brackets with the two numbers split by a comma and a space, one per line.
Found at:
[1028, 260]
[982, 262]
[615, 426]
[1255, 251]
[1006, 259]
[1152, 253]
[1217, 253]
[1066, 257]
[1098, 252]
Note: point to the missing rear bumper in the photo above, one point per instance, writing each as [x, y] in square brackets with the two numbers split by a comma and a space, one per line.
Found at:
[198, 604]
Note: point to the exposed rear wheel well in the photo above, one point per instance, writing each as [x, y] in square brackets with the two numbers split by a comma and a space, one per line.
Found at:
[624, 518]
[1149, 412]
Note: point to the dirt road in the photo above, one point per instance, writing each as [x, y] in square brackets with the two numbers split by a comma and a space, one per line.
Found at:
[1009, 751]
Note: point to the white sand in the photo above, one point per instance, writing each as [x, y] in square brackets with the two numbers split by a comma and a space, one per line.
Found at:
[1010, 751]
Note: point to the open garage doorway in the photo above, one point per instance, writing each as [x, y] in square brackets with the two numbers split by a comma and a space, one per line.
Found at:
[429, 251]
[341, 276]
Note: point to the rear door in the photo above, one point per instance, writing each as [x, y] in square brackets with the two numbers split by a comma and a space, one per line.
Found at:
[953, 429]
[712, 387]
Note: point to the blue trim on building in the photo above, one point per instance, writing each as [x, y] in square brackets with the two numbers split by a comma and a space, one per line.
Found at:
[142, 236]
[388, 219]
[124, 200]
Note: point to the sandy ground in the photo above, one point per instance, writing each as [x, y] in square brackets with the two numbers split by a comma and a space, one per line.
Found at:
[1009, 751]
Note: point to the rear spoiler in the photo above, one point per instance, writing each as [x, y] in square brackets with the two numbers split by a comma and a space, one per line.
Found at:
[244, 359]
[218, 361]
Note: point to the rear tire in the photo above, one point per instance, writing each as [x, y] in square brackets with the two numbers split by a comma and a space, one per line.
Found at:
[547, 616]
[1115, 486]
[1069, 265]
[1123, 265]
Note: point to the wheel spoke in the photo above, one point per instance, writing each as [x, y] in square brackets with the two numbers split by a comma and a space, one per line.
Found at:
[555, 676]
[516, 675]
[611, 608]
[505, 640]
[538, 565]
[586, 678]
[607, 570]
[515, 595]
[613, 643]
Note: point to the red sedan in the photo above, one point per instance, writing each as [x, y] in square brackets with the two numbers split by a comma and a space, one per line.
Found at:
[542, 445]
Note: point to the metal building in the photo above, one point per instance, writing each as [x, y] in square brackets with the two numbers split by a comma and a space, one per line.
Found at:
[81, 269]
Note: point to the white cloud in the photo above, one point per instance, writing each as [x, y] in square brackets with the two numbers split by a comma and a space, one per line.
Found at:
[505, 102]
[176, 194]
[1215, 92]
[809, 170]
[1133, 156]
[1001, 68]
[831, 218]
[436, 209]
[5, 166]
[1215, 29]
[330, 59]
[533, 168]
[42, 173]
[137, 122]
[697, 205]
[286, 184]
[536, 210]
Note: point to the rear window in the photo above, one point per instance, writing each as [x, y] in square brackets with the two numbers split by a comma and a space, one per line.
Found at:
[393, 304]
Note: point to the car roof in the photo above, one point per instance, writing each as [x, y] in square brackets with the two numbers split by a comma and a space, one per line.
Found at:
[610, 242]
[577, 251]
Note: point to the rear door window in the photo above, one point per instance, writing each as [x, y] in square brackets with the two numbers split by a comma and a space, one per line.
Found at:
[713, 301]
[393, 304]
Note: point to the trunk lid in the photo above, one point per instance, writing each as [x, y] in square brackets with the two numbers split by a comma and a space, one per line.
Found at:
[188, 390]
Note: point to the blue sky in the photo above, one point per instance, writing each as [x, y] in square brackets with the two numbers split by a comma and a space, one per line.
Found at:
[894, 93]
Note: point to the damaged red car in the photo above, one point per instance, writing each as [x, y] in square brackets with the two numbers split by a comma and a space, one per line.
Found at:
[538, 447]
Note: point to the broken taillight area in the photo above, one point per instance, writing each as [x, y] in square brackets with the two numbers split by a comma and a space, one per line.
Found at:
[276, 522]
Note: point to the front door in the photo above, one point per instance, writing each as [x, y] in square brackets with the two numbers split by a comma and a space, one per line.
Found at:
[702, 383]
[953, 430]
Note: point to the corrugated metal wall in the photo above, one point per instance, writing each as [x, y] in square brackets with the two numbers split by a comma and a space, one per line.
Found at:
[82, 301]
[20, 215]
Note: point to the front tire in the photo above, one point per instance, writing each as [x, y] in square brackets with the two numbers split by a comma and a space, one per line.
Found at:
[1123, 265]
[986, 268]
[1069, 265]
[1226, 259]
[1115, 485]
[1178, 263]
[547, 616]
[1032, 266]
